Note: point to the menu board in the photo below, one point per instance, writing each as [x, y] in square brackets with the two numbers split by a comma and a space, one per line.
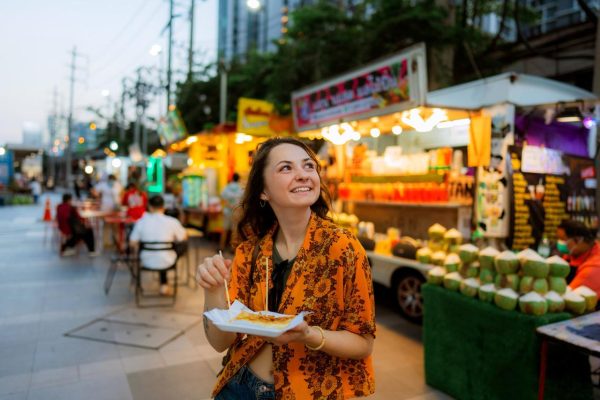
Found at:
[542, 200]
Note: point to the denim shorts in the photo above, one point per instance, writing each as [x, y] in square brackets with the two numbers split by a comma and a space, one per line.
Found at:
[246, 386]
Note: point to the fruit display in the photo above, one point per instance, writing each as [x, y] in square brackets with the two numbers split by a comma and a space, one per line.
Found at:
[525, 281]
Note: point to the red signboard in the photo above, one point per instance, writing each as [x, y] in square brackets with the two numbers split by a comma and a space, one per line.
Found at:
[373, 88]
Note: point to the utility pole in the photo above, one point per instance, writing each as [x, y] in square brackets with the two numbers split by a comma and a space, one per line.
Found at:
[223, 93]
[122, 124]
[53, 134]
[170, 54]
[191, 49]
[70, 119]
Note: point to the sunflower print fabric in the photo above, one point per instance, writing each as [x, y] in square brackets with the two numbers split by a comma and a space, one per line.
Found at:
[331, 278]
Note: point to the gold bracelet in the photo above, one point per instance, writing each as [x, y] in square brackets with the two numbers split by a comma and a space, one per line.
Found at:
[320, 346]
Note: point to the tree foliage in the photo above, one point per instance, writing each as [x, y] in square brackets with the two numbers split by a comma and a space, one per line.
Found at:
[325, 40]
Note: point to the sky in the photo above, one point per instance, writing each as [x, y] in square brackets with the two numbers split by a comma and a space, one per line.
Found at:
[113, 38]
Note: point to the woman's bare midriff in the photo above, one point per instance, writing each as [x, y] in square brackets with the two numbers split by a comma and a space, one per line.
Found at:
[262, 364]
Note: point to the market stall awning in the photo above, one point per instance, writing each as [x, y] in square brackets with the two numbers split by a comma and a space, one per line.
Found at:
[510, 87]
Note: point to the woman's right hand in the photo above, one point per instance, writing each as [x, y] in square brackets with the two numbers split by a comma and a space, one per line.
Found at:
[211, 274]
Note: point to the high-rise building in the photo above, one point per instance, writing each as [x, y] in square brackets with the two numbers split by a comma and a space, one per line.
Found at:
[243, 29]
[556, 14]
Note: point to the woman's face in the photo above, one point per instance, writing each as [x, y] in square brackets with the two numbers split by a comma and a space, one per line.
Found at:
[291, 178]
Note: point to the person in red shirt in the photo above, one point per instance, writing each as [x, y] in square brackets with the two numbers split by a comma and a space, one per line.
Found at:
[73, 227]
[584, 253]
[135, 200]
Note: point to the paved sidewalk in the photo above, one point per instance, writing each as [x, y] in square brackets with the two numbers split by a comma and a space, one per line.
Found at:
[43, 296]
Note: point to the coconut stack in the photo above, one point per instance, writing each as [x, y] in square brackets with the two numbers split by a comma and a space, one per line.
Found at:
[506, 299]
[424, 255]
[436, 275]
[452, 281]
[487, 273]
[533, 303]
[507, 268]
[469, 287]
[555, 302]
[470, 270]
[438, 258]
[590, 297]
[535, 272]
[487, 292]
[436, 234]
[558, 270]
[452, 262]
[452, 239]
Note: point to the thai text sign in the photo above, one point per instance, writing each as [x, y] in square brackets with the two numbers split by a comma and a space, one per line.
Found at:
[376, 89]
[254, 116]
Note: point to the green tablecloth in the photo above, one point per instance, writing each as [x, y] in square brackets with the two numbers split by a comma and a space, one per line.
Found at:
[475, 350]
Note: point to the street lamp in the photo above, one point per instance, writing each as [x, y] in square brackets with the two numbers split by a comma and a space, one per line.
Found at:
[254, 5]
[114, 146]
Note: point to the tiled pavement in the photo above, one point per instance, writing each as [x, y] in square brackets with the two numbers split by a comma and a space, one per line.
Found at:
[43, 296]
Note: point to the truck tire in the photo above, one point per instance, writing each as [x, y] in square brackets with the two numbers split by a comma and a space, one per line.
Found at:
[406, 292]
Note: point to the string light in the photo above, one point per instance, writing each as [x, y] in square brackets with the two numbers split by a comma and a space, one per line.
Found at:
[413, 119]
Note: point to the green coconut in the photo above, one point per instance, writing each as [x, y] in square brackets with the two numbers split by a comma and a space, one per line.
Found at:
[558, 266]
[454, 248]
[524, 254]
[533, 303]
[574, 303]
[591, 298]
[436, 275]
[555, 302]
[452, 262]
[468, 253]
[469, 270]
[486, 276]
[557, 284]
[510, 281]
[424, 255]
[535, 265]
[438, 258]
[540, 285]
[506, 299]
[487, 256]
[506, 262]
[436, 245]
[453, 237]
[452, 281]
[487, 292]
[436, 232]
[469, 287]
[526, 284]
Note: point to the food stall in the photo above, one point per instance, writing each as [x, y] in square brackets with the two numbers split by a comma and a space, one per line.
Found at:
[214, 155]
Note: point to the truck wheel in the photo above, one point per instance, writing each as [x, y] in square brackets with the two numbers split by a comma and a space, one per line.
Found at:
[406, 289]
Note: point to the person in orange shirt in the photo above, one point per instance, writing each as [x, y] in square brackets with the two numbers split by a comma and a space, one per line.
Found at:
[135, 200]
[314, 266]
[584, 253]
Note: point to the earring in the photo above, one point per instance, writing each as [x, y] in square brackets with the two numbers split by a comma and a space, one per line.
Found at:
[262, 203]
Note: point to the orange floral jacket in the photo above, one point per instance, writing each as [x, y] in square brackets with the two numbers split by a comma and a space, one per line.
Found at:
[331, 278]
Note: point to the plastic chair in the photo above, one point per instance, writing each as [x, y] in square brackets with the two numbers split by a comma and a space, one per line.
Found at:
[154, 247]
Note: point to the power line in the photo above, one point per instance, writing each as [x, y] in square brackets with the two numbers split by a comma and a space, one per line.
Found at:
[127, 43]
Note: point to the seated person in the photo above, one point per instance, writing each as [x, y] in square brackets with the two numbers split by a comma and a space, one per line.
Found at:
[73, 227]
[135, 200]
[155, 226]
[584, 252]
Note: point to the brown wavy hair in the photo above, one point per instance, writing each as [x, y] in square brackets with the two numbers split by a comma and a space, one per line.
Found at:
[255, 221]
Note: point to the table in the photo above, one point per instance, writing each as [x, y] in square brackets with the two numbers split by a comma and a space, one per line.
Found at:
[121, 221]
[581, 333]
[475, 350]
[95, 218]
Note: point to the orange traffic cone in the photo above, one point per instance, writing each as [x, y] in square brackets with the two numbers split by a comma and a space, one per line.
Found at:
[47, 212]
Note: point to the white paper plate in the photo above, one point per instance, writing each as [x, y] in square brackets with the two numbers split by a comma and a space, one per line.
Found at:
[224, 320]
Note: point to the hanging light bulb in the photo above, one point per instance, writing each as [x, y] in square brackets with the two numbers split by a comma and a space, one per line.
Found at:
[396, 129]
[375, 132]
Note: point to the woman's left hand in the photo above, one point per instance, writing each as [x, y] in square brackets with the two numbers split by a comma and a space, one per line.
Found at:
[297, 334]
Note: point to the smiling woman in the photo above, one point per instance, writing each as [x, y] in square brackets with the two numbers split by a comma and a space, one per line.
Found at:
[318, 267]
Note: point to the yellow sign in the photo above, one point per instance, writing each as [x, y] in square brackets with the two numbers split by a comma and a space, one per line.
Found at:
[254, 116]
